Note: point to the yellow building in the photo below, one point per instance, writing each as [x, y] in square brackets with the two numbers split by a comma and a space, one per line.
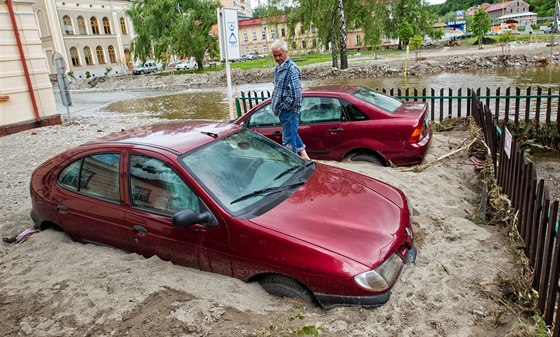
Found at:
[26, 95]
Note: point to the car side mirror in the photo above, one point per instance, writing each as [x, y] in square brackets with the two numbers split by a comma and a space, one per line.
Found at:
[189, 217]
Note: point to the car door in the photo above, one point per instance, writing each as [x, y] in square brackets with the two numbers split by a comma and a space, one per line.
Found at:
[265, 122]
[323, 127]
[158, 190]
[88, 200]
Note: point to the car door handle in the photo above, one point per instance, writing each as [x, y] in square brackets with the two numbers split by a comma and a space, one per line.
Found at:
[335, 130]
[277, 134]
[140, 229]
[61, 208]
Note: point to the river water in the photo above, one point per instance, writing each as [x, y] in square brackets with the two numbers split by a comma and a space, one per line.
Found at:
[213, 103]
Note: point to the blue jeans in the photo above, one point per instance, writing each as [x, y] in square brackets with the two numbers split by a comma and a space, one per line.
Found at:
[290, 136]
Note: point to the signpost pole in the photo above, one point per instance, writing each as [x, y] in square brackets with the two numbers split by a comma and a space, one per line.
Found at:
[229, 46]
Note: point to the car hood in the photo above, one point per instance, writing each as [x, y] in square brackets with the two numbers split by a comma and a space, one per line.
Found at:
[352, 215]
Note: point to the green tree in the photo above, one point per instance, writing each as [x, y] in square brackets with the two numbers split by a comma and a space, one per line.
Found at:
[415, 14]
[405, 33]
[480, 24]
[180, 27]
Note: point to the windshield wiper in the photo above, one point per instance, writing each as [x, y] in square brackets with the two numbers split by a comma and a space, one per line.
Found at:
[293, 169]
[268, 190]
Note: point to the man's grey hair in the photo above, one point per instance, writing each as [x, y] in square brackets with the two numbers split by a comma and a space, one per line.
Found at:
[279, 44]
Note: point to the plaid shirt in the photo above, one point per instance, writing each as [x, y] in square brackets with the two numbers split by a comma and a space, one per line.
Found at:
[287, 88]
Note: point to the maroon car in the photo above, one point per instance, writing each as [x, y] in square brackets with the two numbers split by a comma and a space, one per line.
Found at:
[355, 123]
[223, 199]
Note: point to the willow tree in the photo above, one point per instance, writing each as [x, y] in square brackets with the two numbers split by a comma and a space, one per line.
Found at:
[333, 18]
[179, 27]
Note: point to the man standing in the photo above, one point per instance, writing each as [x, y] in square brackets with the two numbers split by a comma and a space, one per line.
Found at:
[286, 97]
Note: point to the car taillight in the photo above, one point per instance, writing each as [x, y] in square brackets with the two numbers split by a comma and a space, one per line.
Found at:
[416, 135]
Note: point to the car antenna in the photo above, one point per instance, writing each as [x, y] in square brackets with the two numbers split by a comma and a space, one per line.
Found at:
[211, 134]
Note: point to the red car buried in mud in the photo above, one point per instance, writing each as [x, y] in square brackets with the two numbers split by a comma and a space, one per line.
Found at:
[223, 199]
[355, 123]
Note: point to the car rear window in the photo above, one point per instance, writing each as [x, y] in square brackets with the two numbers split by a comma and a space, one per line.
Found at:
[378, 99]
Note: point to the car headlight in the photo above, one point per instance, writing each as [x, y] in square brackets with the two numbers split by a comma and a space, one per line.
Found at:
[382, 277]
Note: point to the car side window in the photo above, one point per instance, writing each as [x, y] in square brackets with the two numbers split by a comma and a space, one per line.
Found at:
[320, 110]
[155, 187]
[354, 113]
[263, 117]
[96, 175]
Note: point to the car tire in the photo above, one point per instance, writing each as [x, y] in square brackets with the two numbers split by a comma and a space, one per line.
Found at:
[370, 158]
[141, 72]
[284, 286]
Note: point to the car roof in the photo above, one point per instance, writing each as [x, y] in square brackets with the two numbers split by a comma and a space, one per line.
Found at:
[176, 136]
[345, 89]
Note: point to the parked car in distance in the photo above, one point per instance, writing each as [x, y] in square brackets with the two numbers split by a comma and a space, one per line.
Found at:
[352, 123]
[251, 55]
[223, 199]
[186, 65]
[146, 68]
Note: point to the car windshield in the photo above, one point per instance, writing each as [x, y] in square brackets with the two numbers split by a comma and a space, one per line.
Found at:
[245, 171]
[378, 99]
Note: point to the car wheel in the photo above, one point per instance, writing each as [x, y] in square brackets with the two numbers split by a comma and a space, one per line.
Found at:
[142, 72]
[370, 158]
[284, 286]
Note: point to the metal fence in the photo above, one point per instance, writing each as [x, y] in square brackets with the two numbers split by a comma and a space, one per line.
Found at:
[537, 214]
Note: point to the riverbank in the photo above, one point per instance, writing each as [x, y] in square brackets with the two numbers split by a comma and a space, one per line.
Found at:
[391, 65]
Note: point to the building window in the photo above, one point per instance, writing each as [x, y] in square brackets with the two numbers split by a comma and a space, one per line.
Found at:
[245, 37]
[272, 33]
[263, 34]
[75, 57]
[303, 44]
[265, 49]
[68, 29]
[358, 40]
[112, 56]
[106, 26]
[87, 56]
[94, 25]
[100, 55]
[82, 29]
[283, 32]
[123, 27]
[254, 36]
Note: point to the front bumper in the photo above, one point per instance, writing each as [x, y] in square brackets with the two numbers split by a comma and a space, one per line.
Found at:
[328, 301]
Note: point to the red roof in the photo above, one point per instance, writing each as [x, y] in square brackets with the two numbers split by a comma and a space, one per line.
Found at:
[259, 21]
[498, 6]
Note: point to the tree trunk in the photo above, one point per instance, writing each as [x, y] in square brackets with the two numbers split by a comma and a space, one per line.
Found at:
[342, 27]
[334, 43]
